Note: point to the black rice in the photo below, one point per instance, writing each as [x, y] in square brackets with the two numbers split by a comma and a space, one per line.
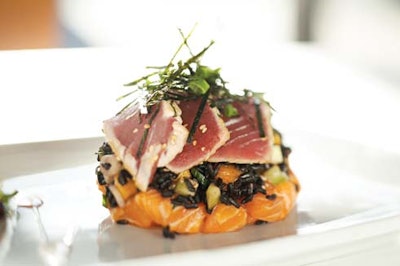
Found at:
[104, 149]
[167, 193]
[167, 233]
[100, 177]
[241, 191]
[271, 196]
[286, 151]
[189, 185]
[258, 222]
[188, 202]
[112, 202]
[106, 166]
[247, 199]
[297, 187]
[283, 167]
[124, 176]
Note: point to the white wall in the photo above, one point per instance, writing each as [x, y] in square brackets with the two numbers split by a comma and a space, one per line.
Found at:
[137, 23]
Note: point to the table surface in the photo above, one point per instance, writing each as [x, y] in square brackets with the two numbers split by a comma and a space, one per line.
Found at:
[61, 94]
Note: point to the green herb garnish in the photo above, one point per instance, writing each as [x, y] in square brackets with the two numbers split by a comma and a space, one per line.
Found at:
[230, 110]
[197, 118]
[203, 181]
[175, 81]
[180, 80]
[4, 202]
[185, 80]
[5, 198]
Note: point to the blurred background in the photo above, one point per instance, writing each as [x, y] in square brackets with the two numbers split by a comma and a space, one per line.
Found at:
[336, 63]
[364, 33]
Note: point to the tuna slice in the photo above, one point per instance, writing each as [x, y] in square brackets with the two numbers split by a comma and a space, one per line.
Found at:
[211, 133]
[145, 142]
[246, 144]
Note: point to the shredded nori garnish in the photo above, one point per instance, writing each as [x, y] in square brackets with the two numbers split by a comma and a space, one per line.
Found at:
[104, 149]
[112, 202]
[100, 177]
[260, 123]
[124, 176]
[196, 120]
[146, 132]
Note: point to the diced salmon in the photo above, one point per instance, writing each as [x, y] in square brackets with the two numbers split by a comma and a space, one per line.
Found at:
[155, 206]
[133, 214]
[225, 218]
[149, 208]
[127, 190]
[102, 188]
[184, 220]
[275, 208]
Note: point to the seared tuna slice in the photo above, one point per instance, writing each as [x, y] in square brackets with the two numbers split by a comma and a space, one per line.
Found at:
[144, 142]
[248, 142]
[209, 135]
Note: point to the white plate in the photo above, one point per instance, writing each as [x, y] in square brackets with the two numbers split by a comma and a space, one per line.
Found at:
[348, 195]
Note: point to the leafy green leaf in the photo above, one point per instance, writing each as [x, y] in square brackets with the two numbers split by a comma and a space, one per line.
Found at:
[230, 110]
[207, 73]
[198, 85]
[203, 181]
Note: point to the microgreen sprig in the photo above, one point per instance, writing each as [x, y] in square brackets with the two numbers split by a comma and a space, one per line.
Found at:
[183, 80]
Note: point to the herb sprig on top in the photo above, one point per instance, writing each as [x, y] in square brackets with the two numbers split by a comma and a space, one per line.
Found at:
[187, 80]
[184, 80]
